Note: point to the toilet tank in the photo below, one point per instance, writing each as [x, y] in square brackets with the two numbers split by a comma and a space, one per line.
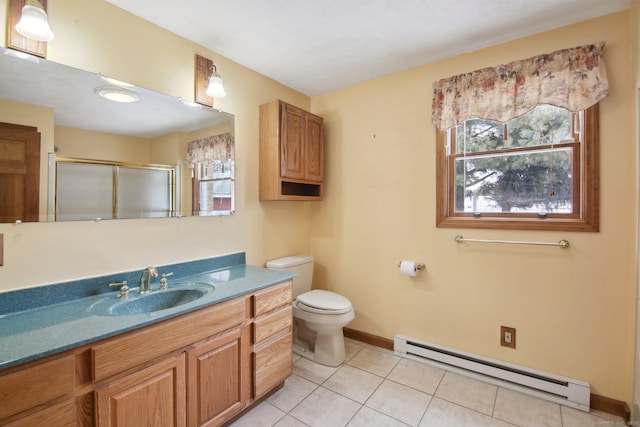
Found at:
[302, 265]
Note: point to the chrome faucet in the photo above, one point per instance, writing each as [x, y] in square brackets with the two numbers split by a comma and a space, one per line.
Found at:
[147, 274]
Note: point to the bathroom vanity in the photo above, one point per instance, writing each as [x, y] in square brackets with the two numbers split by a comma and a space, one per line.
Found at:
[199, 363]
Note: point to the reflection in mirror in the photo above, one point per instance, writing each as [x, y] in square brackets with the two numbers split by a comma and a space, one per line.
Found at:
[91, 189]
[212, 161]
[155, 132]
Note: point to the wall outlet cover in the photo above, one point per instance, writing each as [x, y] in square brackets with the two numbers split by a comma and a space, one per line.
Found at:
[508, 336]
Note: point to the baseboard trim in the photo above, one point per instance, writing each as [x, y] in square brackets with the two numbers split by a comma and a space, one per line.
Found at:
[598, 403]
[252, 405]
[368, 338]
[611, 406]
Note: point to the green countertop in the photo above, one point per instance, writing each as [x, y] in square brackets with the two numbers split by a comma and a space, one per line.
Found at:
[40, 331]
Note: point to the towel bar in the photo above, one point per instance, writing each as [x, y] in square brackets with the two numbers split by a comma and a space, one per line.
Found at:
[562, 243]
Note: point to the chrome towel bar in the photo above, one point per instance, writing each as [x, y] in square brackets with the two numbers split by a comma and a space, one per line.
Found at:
[562, 243]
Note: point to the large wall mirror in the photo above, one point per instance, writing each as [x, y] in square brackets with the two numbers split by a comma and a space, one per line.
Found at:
[157, 156]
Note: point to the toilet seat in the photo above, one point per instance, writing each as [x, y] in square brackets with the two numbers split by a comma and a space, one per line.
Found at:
[323, 302]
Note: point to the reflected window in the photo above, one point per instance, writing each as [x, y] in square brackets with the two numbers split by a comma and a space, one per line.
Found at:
[212, 163]
[213, 188]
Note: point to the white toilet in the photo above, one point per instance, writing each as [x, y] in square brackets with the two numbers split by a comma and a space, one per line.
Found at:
[318, 316]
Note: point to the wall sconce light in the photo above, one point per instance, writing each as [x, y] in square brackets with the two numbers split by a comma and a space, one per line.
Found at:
[215, 88]
[28, 26]
[208, 82]
[34, 22]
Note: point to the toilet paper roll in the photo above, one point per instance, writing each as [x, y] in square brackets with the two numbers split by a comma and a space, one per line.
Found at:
[408, 268]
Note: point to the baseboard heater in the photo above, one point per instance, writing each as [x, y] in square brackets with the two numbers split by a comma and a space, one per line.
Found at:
[555, 388]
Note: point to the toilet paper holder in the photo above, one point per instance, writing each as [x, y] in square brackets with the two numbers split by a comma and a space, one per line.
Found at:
[419, 266]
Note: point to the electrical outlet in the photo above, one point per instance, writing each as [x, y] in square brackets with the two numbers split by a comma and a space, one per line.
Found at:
[507, 336]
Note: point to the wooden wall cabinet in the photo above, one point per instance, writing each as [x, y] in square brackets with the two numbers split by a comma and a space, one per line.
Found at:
[199, 369]
[291, 153]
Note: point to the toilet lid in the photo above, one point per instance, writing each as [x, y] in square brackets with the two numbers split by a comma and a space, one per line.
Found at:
[324, 300]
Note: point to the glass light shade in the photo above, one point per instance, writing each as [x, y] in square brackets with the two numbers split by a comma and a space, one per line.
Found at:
[34, 23]
[215, 88]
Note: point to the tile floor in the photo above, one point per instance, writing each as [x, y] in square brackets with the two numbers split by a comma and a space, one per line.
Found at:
[374, 387]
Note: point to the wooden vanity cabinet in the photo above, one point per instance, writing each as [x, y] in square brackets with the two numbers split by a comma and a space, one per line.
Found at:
[60, 415]
[198, 386]
[272, 338]
[154, 396]
[217, 374]
[291, 153]
[47, 389]
[199, 369]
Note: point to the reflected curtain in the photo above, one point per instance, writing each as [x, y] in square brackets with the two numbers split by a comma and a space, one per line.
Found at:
[207, 150]
[571, 78]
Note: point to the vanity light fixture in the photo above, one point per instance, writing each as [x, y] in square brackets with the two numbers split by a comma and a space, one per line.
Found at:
[215, 88]
[208, 83]
[117, 94]
[34, 22]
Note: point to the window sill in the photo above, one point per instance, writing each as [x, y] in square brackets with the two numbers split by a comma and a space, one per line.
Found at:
[547, 224]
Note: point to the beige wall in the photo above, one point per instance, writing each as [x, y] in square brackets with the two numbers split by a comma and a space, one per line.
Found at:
[99, 37]
[86, 144]
[574, 309]
[634, 17]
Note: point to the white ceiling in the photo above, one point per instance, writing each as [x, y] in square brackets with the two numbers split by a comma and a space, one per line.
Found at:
[316, 46]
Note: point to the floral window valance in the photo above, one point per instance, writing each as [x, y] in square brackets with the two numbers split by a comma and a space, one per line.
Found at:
[207, 150]
[571, 78]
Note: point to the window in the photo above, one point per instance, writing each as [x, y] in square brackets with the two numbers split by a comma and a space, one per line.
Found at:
[213, 188]
[212, 162]
[536, 171]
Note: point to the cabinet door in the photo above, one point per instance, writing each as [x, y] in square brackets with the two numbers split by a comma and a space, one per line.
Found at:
[216, 380]
[19, 173]
[314, 149]
[273, 364]
[152, 397]
[292, 140]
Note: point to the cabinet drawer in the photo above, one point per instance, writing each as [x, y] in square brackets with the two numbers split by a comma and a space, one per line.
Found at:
[272, 298]
[36, 385]
[269, 325]
[141, 346]
[60, 415]
[272, 364]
